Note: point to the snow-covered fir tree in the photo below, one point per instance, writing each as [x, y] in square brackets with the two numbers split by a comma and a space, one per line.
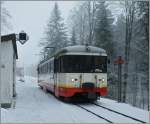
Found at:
[103, 31]
[73, 38]
[5, 17]
[56, 35]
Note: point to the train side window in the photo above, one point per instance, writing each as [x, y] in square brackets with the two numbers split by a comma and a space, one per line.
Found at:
[49, 67]
[60, 64]
[43, 68]
[55, 65]
[38, 70]
[46, 68]
[52, 66]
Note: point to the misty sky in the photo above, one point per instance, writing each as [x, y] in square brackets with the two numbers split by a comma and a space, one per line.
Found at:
[32, 17]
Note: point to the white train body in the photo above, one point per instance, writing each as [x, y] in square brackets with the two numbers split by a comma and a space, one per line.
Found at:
[76, 70]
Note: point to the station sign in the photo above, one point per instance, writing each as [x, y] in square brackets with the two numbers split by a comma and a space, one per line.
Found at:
[23, 37]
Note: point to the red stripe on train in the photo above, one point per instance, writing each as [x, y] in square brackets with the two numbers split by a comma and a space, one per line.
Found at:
[69, 92]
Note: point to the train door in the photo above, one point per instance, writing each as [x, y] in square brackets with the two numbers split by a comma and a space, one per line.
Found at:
[56, 73]
[55, 84]
[52, 74]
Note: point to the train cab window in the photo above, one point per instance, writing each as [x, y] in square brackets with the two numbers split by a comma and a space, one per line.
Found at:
[83, 64]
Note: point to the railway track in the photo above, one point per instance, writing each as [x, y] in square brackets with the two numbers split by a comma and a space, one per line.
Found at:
[110, 110]
[94, 113]
[119, 113]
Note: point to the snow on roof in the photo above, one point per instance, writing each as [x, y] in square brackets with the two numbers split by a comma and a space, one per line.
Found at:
[81, 48]
[78, 49]
[11, 37]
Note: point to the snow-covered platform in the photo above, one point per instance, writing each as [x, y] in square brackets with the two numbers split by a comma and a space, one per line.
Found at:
[35, 106]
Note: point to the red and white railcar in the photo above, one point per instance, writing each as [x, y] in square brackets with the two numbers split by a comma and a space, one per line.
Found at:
[75, 71]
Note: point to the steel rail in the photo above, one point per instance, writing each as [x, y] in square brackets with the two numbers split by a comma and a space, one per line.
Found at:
[120, 113]
[94, 113]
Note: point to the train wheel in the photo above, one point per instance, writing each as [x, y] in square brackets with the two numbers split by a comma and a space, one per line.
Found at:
[66, 99]
[61, 98]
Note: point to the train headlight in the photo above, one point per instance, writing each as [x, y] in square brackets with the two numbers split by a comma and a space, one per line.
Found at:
[103, 79]
[72, 79]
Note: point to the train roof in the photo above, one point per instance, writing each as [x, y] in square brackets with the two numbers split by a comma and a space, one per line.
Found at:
[81, 48]
[78, 50]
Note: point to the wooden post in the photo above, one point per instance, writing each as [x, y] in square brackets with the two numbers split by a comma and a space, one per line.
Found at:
[119, 62]
[0, 76]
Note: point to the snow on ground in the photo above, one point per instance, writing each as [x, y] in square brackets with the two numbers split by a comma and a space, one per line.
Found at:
[114, 117]
[125, 109]
[35, 106]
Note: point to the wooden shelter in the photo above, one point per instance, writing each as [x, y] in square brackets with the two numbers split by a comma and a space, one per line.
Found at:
[8, 69]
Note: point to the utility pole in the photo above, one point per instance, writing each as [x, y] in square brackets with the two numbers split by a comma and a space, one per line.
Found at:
[0, 71]
[0, 65]
[119, 62]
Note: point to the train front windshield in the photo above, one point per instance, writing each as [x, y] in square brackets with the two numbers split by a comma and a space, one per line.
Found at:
[83, 64]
